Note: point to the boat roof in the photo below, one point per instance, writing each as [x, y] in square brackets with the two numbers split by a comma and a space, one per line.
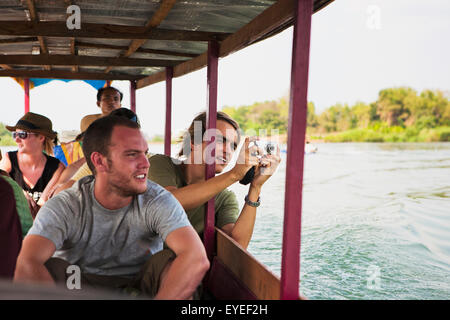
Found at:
[128, 39]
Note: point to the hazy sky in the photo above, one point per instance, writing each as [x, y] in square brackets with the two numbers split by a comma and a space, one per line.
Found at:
[358, 47]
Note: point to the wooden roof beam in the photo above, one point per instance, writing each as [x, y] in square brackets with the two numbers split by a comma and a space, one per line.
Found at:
[271, 21]
[106, 31]
[35, 19]
[80, 44]
[60, 74]
[18, 40]
[69, 60]
[74, 52]
[73, 47]
[157, 18]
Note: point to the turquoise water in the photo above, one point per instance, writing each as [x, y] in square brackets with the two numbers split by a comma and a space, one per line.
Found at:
[375, 223]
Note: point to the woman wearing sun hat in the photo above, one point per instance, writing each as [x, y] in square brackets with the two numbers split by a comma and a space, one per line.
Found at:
[34, 170]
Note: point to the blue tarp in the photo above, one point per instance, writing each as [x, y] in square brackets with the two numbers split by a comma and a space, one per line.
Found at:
[97, 84]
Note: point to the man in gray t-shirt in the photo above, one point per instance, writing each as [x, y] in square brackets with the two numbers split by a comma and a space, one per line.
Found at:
[112, 225]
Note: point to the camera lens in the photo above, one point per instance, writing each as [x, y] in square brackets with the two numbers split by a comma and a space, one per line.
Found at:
[270, 148]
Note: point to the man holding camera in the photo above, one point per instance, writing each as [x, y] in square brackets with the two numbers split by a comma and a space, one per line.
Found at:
[186, 179]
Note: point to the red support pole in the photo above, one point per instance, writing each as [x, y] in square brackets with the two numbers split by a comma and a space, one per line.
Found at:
[168, 127]
[211, 117]
[133, 96]
[26, 88]
[290, 261]
[108, 83]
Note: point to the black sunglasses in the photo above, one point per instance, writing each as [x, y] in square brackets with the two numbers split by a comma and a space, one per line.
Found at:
[21, 134]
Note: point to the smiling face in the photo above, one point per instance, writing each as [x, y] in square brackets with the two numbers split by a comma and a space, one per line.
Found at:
[127, 163]
[226, 143]
[109, 101]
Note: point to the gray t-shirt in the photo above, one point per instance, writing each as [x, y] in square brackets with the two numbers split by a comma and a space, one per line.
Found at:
[108, 242]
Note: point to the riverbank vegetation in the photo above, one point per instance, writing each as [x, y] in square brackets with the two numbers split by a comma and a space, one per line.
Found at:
[398, 115]
[5, 137]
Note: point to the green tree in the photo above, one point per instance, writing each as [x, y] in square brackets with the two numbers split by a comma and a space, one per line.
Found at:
[5, 137]
[391, 105]
[437, 106]
[311, 117]
[361, 115]
[398, 114]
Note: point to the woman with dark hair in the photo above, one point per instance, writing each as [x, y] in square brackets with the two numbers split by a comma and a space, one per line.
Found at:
[32, 166]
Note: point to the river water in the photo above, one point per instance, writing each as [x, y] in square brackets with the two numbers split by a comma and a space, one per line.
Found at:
[375, 221]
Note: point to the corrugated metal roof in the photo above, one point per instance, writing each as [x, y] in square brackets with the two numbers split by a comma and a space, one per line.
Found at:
[172, 31]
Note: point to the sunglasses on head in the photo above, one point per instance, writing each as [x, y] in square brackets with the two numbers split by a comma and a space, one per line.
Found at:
[21, 134]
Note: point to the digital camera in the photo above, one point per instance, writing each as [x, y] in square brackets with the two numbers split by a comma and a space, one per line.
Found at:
[266, 147]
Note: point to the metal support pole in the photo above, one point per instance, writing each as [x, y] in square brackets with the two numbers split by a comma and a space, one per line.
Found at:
[290, 263]
[133, 96]
[168, 127]
[26, 89]
[211, 119]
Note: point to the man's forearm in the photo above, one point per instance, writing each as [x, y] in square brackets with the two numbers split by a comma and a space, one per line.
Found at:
[32, 272]
[183, 277]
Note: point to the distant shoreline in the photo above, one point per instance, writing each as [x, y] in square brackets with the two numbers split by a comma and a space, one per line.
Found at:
[313, 141]
[391, 134]
[386, 135]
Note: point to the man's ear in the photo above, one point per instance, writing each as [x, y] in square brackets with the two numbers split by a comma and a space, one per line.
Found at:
[98, 104]
[99, 161]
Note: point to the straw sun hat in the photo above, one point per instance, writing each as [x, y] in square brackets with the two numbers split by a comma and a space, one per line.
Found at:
[36, 123]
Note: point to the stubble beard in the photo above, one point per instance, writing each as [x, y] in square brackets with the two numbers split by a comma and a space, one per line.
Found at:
[120, 184]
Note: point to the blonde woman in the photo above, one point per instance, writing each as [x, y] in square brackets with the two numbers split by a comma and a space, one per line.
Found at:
[32, 166]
